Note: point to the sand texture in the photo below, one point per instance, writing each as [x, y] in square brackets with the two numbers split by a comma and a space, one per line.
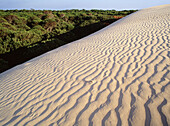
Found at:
[116, 76]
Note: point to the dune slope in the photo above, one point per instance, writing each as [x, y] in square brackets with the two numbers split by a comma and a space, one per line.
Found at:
[116, 76]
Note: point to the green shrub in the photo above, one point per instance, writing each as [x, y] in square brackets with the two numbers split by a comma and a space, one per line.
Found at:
[70, 27]
[87, 22]
[2, 20]
[7, 25]
[49, 24]
[11, 18]
[39, 27]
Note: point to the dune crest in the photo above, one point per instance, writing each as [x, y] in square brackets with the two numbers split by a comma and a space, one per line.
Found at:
[116, 76]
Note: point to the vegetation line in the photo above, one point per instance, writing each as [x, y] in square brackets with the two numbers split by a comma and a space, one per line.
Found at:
[25, 34]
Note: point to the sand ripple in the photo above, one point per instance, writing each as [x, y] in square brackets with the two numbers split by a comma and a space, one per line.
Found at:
[117, 76]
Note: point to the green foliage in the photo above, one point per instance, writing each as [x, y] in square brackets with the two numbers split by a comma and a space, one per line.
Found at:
[7, 26]
[11, 18]
[2, 20]
[40, 28]
[70, 26]
[87, 22]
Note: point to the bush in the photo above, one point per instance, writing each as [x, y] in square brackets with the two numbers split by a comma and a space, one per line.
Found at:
[33, 21]
[11, 18]
[39, 27]
[49, 24]
[61, 15]
[7, 25]
[70, 27]
[87, 22]
[2, 20]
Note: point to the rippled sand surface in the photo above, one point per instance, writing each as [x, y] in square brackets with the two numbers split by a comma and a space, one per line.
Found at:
[116, 76]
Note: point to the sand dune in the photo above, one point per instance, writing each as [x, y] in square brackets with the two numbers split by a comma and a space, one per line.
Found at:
[116, 76]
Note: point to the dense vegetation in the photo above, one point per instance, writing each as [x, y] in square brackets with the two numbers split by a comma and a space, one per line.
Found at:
[25, 34]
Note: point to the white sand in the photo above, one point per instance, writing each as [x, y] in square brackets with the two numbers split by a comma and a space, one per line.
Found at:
[117, 76]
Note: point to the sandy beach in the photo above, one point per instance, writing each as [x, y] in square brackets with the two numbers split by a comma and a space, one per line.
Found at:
[118, 76]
